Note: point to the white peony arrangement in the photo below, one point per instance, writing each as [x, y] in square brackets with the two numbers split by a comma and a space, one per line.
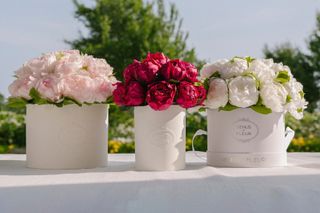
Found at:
[259, 84]
[61, 78]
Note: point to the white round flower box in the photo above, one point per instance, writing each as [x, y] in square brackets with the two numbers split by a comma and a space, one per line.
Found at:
[245, 138]
[70, 137]
[160, 138]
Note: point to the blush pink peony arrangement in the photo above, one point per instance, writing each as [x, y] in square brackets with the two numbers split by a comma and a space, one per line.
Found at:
[159, 82]
[60, 78]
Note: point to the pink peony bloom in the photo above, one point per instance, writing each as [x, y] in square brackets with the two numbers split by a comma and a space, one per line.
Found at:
[80, 88]
[21, 88]
[49, 88]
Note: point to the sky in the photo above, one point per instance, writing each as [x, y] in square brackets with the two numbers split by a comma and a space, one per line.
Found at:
[217, 28]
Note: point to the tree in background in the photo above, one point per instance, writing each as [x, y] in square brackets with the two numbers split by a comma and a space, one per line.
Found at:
[2, 102]
[305, 67]
[123, 30]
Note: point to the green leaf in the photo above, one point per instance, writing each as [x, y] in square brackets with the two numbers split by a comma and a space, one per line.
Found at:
[282, 77]
[59, 55]
[288, 99]
[202, 109]
[216, 74]
[61, 104]
[206, 83]
[235, 57]
[16, 102]
[228, 107]
[110, 100]
[249, 59]
[42, 102]
[174, 81]
[68, 100]
[197, 84]
[261, 109]
[301, 93]
[35, 95]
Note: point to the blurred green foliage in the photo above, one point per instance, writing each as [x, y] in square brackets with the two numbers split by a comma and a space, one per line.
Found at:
[196, 121]
[12, 131]
[123, 30]
[307, 133]
[121, 137]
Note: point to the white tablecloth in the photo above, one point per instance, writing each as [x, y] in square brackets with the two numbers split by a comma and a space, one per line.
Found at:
[198, 188]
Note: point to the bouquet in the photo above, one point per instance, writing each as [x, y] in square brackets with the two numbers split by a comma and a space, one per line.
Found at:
[259, 84]
[60, 78]
[159, 82]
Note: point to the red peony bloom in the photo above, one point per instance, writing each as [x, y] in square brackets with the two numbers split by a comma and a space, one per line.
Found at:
[130, 70]
[202, 94]
[173, 70]
[157, 59]
[191, 72]
[146, 73]
[190, 95]
[160, 95]
[119, 94]
[136, 94]
[132, 94]
[179, 70]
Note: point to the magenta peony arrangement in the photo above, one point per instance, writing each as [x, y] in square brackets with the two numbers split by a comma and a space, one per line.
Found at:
[159, 82]
[61, 78]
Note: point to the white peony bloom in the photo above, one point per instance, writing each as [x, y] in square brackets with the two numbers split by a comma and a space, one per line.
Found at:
[217, 94]
[296, 108]
[277, 67]
[294, 89]
[273, 96]
[262, 69]
[297, 102]
[234, 68]
[209, 69]
[243, 91]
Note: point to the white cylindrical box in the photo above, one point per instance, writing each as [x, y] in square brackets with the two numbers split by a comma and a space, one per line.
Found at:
[245, 138]
[70, 137]
[160, 138]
